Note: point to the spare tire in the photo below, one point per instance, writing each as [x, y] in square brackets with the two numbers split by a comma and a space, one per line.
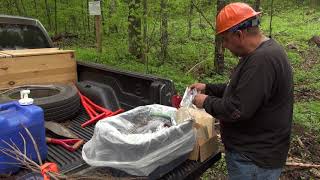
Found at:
[59, 101]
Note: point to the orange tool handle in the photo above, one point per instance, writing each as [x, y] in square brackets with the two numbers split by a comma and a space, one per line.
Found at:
[78, 144]
[69, 144]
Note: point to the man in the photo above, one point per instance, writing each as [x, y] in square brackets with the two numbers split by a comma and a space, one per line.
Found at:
[255, 107]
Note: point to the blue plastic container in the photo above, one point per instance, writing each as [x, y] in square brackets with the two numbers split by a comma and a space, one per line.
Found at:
[13, 119]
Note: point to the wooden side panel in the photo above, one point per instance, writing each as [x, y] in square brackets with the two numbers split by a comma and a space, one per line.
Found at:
[35, 52]
[39, 69]
[3, 55]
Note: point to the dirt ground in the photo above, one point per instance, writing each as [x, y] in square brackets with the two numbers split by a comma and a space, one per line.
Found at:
[304, 148]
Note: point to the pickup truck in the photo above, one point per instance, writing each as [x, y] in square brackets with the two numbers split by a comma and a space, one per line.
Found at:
[136, 90]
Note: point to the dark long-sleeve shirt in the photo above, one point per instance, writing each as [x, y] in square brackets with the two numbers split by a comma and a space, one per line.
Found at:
[255, 108]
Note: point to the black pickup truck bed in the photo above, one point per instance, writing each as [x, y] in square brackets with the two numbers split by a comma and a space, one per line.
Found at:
[71, 162]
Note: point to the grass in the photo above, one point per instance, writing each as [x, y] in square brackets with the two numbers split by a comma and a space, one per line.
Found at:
[308, 114]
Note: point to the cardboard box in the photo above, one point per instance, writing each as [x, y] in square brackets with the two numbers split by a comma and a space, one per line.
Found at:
[207, 140]
[37, 66]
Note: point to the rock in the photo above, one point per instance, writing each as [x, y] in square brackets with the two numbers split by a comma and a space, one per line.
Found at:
[310, 12]
[315, 39]
[292, 46]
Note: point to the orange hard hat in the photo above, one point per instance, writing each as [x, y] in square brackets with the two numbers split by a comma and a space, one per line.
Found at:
[233, 14]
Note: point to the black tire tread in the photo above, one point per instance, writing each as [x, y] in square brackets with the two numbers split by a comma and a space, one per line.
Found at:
[58, 107]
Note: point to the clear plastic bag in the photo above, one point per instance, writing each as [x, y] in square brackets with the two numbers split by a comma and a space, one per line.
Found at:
[140, 140]
[188, 97]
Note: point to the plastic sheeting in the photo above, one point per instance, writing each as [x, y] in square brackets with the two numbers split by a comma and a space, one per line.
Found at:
[140, 140]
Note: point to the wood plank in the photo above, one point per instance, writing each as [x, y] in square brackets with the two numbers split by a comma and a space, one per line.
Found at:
[35, 52]
[38, 69]
[35, 74]
[28, 51]
[35, 63]
[3, 55]
[53, 79]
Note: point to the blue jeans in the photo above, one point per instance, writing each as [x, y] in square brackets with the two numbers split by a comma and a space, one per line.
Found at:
[242, 168]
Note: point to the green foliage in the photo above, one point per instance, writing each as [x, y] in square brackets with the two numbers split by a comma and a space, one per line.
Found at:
[295, 58]
[126, 62]
[308, 114]
[219, 171]
[294, 26]
[190, 58]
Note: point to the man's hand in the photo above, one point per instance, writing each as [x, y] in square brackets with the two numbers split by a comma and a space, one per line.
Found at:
[198, 86]
[199, 99]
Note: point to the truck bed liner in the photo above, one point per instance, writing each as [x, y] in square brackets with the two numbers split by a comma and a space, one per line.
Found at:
[70, 162]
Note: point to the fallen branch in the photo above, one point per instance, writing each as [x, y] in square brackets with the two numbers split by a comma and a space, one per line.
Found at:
[27, 163]
[304, 165]
[202, 14]
[195, 66]
[307, 93]
[316, 40]
[19, 156]
[34, 145]
[315, 96]
[300, 142]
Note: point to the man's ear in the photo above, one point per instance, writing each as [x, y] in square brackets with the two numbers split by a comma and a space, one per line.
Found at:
[240, 34]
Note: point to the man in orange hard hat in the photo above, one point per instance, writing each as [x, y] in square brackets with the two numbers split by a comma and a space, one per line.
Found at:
[255, 107]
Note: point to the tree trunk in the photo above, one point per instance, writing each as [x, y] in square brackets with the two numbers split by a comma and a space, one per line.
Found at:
[24, 9]
[65, 26]
[145, 29]
[9, 7]
[48, 14]
[102, 15]
[35, 8]
[83, 18]
[164, 30]
[99, 27]
[190, 19]
[134, 29]
[55, 18]
[18, 8]
[112, 9]
[219, 50]
[314, 3]
[88, 17]
[257, 5]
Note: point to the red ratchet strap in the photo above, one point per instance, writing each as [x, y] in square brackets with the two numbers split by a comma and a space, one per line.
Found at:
[95, 112]
[69, 144]
[48, 167]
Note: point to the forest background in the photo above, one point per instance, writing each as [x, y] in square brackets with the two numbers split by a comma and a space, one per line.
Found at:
[176, 40]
